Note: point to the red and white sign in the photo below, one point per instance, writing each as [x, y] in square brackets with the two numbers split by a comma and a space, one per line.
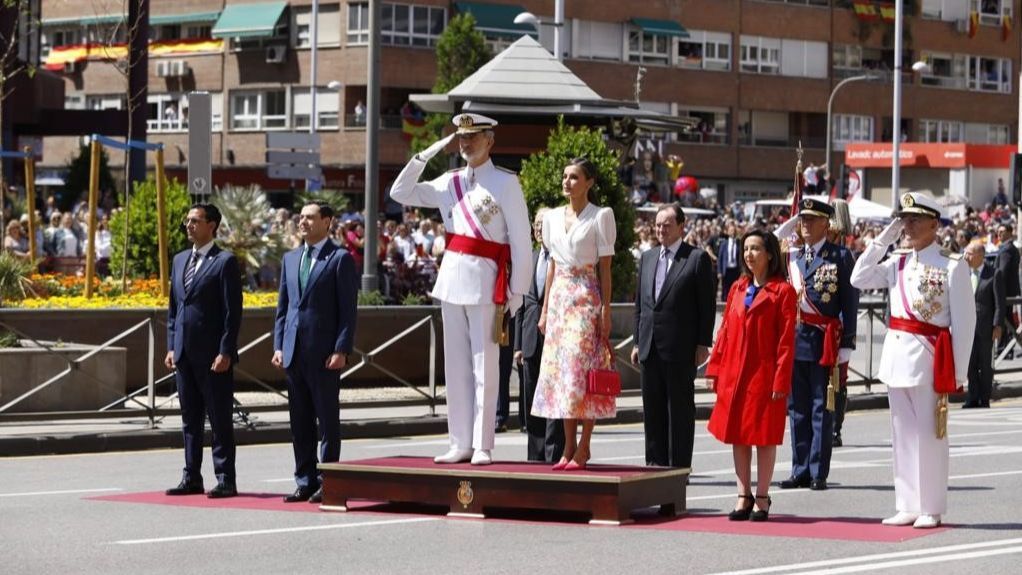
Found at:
[912, 155]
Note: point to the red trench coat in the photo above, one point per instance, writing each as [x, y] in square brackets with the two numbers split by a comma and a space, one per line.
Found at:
[751, 359]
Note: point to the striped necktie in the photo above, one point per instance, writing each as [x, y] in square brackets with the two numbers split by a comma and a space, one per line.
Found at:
[193, 265]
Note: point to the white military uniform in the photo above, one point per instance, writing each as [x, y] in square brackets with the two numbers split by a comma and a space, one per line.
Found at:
[937, 290]
[464, 285]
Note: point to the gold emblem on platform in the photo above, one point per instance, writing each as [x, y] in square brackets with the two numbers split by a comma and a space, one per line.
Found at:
[465, 494]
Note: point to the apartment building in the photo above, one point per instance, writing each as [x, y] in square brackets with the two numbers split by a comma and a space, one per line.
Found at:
[756, 73]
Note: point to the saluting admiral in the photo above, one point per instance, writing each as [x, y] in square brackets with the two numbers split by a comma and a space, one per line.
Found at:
[926, 352]
[825, 337]
[486, 270]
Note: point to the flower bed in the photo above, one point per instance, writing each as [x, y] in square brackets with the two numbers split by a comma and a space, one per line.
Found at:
[55, 291]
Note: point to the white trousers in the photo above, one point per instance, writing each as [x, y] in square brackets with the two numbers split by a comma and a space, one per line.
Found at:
[471, 373]
[920, 459]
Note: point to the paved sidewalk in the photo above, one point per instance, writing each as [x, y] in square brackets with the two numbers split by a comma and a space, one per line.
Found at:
[61, 436]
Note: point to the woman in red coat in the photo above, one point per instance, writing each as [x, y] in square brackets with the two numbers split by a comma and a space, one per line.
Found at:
[750, 369]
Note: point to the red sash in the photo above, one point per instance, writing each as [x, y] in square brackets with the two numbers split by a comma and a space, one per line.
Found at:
[500, 253]
[831, 327]
[943, 352]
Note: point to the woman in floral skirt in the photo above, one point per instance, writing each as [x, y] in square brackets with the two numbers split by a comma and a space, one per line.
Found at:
[576, 312]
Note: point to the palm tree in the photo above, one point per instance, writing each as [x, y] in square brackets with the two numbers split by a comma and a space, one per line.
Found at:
[244, 231]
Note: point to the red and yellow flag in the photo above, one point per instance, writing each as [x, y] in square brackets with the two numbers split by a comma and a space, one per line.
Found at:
[973, 23]
[1005, 28]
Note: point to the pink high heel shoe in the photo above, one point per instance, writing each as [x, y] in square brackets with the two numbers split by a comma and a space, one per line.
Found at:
[560, 465]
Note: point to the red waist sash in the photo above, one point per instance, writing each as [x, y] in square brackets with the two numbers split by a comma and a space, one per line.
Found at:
[943, 352]
[500, 253]
[831, 327]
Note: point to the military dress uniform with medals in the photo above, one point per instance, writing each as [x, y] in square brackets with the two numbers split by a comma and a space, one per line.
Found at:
[827, 314]
[486, 268]
[925, 356]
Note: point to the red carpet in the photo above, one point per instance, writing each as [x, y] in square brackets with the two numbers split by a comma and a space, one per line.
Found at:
[409, 462]
[839, 528]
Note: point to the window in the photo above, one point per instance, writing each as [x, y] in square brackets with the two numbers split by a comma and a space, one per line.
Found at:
[56, 37]
[327, 106]
[946, 70]
[410, 25]
[167, 112]
[647, 48]
[991, 12]
[164, 33]
[329, 29]
[803, 58]
[198, 32]
[711, 129]
[989, 74]
[997, 134]
[705, 51]
[847, 57]
[105, 102]
[598, 40]
[850, 128]
[940, 131]
[74, 101]
[761, 55]
[760, 128]
[358, 23]
[264, 110]
[947, 10]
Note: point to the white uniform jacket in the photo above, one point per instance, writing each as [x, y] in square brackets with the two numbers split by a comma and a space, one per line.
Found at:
[493, 196]
[938, 291]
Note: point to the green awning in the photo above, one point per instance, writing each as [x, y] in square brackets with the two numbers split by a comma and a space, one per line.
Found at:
[249, 20]
[496, 19]
[187, 18]
[90, 20]
[660, 27]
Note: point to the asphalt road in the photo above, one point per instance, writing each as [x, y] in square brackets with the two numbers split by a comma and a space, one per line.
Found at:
[50, 520]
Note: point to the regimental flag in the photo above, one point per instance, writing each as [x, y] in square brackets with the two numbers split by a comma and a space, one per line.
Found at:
[1005, 28]
[973, 23]
[796, 195]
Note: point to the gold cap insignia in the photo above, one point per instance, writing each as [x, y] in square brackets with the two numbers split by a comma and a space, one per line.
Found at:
[465, 121]
[908, 201]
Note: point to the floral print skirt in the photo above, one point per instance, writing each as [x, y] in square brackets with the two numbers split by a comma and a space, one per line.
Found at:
[572, 347]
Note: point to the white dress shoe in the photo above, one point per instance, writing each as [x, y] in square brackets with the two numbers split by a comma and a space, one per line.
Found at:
[453, 456]
[927, 522]
[482, 457]
[901, 518]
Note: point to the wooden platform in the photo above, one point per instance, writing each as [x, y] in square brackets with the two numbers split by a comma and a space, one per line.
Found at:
[608, 493]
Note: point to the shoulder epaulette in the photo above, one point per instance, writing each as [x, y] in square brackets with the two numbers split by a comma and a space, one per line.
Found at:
[950, 254]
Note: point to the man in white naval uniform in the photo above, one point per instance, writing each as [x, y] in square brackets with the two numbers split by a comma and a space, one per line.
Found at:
[926, 351]
[484, 212]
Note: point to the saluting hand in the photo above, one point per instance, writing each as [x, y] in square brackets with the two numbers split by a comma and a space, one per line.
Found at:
[221, 364]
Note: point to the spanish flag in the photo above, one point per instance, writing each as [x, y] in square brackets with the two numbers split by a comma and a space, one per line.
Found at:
[973, 23]
[1005, 28]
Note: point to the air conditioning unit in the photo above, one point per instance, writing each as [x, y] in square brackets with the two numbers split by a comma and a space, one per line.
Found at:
[962, 25]
[70, 67]
[163, 69]
[276, 54]
[178, 68]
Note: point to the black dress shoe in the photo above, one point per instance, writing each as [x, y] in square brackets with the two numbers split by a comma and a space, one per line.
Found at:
[300, 494]
[223, 490]
[762, 514]
[186, 488]
[317, 497]
[795, 482]
[745, 511]
[836, 442]
[970, 405]
[818, 485]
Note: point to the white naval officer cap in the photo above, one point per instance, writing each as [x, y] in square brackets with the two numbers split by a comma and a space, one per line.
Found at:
[468, 123]
[920, 203]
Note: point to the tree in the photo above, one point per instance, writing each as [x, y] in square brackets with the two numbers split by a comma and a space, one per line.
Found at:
[244, 208]
[143, 253]
[460, 51]
[12, 12]
[76, 183]
[541, 176]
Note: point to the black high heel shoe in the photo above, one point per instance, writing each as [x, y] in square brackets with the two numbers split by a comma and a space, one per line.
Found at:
[743, 513]
[762, 514]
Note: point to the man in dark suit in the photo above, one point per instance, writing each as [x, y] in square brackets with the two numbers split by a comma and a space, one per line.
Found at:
[203, 320]
[546, 436]
[313, 333]
[674, 317]
[820, 272]
[1008, 265]
[988, 285]
[728, 252]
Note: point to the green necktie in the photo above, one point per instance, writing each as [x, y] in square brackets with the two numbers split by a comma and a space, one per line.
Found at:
[304, 268]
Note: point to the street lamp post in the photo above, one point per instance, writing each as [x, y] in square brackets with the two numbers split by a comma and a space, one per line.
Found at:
[899, 18]
[558, 24]
[370, 281]
[830, 110]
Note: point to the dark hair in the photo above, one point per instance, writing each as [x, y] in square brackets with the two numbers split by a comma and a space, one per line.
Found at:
[679, 213]
[211, 212]
[590, 171]
[1007, 226]
[325, 210]
[777, 267]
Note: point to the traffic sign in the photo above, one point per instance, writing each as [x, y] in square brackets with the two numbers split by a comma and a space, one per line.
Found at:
[293, 172]
[292, 141]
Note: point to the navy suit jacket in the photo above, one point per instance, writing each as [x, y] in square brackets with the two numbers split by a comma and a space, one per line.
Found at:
[321, 320]
[722, 255]
[842, 303]
[204, 321]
